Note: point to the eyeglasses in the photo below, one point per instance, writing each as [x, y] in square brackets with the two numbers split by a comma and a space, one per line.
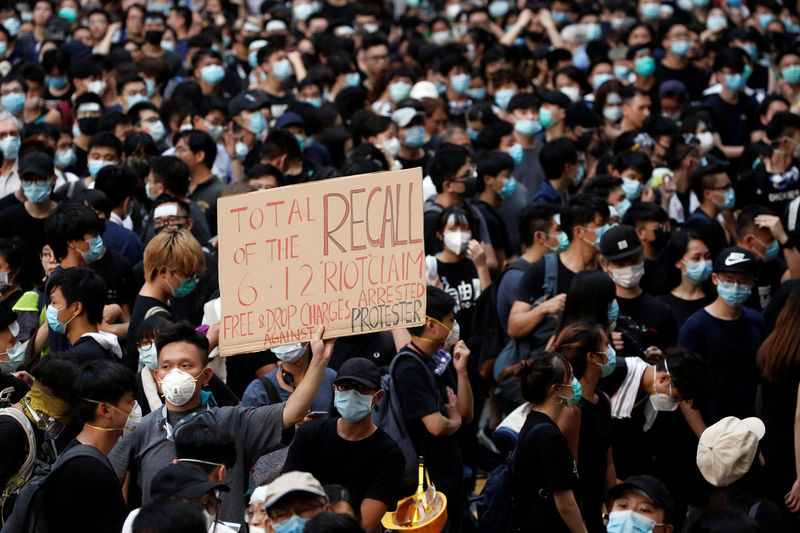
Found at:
[257, 512]
[281, 515]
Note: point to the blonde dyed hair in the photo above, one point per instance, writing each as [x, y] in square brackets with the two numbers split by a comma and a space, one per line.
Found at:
[176, 250]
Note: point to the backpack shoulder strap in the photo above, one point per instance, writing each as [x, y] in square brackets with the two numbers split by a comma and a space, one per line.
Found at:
[550, 284]
[409, 354]
[21, 476]
[272, 393]
[754, 509]
[156, 310]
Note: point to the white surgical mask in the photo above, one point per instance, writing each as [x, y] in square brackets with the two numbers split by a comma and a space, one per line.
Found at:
[289, 353]
[453, 336]
[661, 401]
[629, 276]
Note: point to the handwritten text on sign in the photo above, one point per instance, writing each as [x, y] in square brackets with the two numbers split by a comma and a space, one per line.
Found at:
[347, 253]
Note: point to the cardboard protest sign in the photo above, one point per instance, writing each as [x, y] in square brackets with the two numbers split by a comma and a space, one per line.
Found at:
[346, 252]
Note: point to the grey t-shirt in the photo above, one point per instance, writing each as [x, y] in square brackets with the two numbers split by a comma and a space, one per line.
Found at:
[530, 172]
[256, 430]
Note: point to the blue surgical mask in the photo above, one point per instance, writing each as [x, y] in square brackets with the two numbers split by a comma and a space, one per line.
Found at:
[563, 242]
[399, 90]
[623, 207]
[498, 8]
[96, 164]
[473, 134]
[651, 11]
[735, 82]
[600, 79]
[613, 311]
[791, 74]
[698, 271]
[36, 191]
[150, 87]
[632, 189]
[295, 524]
[460, 83]
[353, 79]
[577, 392]
[415, 136]
[509, 187]
[256, 123]
[12, 26]
[629, 522]
[52, 319]
[732, 293]
[680, 48]
[352, 405]
[609, 366]
[169, 46]
[560, 17]
[212, 74]
[316, 102]
[65, 158]
[517, 153]
[729, 200]
[135, 99]
[477, 93]
[10, 147]
[526, 127]
[598, 232]
[771, 250]
[56, 82]
[714, 22]
[545, 118]
[13, 102]
[16, 354]
[645, 65]
[622, 72]
[282, 70]
[252, 59]
[95, 250]
[503, 97]
[764, 20]
[149, 357]
[751, 49]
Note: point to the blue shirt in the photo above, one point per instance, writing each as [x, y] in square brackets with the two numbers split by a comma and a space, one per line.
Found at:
[123, 241]
[730, 348]
[255, 395]
[547, 194]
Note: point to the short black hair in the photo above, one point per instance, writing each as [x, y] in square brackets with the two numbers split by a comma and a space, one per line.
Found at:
[581, 210]
[332, 523]
[172, 173]
[107, 140]
[198, 141]
[202, 441]
[461, 214]
[262, 169]
[491, 164]
[81, 284]
[70, 222]
[746, 221]
[101, 381]
[169, 514]
[449, 158]
[7, 315]
[539, 373]
[704, 178]
[782, 124]
[117, 182]
[183, 332]
[96, 199]
[58, 373]
[635, 160]
[533, 218]
[690, 373]
[490, 136]
[111, 119]
[641, 212]
[555, 155]
[602, 185]
[280, 142]
[438, 305]
[731, 58]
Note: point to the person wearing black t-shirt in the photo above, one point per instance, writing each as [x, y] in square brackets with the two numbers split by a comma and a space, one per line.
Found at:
[434, 415]
[676, 64]
[84, 494]
[728, 334]
[759, 230]
[351, 450]
[544, 479]
[688, 269]
[496, 184]
[775, 180]
[585, 220]
[622, 258]
[172, 261]
[714, 191]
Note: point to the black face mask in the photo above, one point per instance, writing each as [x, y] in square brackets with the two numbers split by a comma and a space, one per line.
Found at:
[153, 36]
[470, 187]
[89, 125]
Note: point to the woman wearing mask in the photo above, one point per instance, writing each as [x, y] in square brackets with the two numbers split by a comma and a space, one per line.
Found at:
[398, 87]
[587, 424]
[461, 265]
[278, 385]
[688, 269]
[608, 104]
[545, 478]
[592, 297]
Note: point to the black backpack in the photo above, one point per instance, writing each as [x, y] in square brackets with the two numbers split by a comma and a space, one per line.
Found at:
[30, 514]
[488, 336]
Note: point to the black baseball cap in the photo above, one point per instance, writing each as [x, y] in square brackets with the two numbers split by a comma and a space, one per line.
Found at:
[360, 370]
[247, 101]
[620, 242]
[36, 166]
[182, 480]
[736, 260]
[651, 488]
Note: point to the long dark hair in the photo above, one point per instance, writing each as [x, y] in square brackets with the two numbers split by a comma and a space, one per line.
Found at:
[588, 298]
[780, 352]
